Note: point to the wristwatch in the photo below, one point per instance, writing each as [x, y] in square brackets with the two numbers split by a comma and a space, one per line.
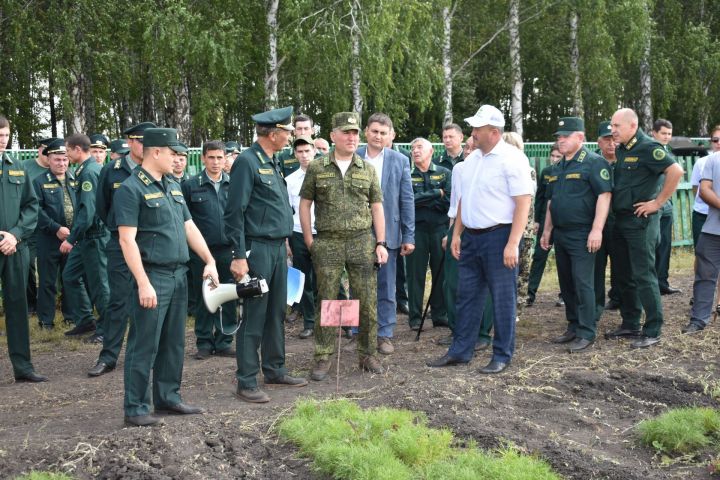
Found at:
[381, 244]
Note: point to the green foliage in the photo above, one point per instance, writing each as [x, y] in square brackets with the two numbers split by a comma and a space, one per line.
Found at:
[347, 442]
[681, 431]
[44, 476]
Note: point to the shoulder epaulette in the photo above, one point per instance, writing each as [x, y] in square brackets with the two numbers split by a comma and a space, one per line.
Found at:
[143, 178]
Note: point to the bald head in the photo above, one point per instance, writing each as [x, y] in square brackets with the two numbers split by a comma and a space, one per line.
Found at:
[624, 125]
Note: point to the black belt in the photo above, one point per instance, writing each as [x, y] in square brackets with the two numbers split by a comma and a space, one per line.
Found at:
[480, 231]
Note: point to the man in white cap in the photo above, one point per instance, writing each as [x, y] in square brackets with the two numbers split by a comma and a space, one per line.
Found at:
[497, 189]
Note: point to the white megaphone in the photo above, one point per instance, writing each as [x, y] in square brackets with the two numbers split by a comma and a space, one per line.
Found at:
[226, 292]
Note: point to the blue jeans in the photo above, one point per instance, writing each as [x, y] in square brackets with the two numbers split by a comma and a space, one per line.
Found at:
[481, 271]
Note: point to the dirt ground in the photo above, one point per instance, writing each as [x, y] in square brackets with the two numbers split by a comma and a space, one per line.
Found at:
[577, 412]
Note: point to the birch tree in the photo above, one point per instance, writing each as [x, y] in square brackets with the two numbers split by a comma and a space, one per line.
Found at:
[516, 106]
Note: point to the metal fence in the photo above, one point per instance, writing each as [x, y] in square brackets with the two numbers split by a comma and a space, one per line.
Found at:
[538, 154]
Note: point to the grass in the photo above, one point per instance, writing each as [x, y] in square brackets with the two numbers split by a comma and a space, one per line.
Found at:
[682, 431]
[44, 476]
[347, 442]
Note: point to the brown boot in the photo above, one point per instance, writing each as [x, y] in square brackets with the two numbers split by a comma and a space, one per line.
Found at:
[320, 370]
[371, 364]
[384, 346]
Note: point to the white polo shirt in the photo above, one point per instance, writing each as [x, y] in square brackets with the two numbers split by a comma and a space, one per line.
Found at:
[490, 181]
[457, 173]
[699, 206]
[294, 183]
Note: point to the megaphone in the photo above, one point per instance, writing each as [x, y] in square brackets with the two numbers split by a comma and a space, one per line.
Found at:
[226, 292]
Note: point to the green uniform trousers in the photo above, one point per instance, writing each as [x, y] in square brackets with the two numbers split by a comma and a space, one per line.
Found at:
[664, 250]
[263, 324]
[303, 262]
[576, 273]
[32, 286]
[356, 253]
[428, 247]
[50, 262]
[208, 331]
[87, 262]
[537, 267]
[14, 275]
[607, 249]
[156, 342]
[122, 293]
[635, 240]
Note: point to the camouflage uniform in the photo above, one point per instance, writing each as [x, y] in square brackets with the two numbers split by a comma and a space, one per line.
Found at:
[344, 240]
[525, 257]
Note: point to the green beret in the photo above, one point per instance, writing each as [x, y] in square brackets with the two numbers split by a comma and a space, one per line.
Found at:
[99, 141]
[278, 118]
[163, 137]
[119, 146]
[568, 125]
[604, 129]
[57, 145]
[346, 121]
[44, 142]
[303, 140]
[136, 131]
[232, 147]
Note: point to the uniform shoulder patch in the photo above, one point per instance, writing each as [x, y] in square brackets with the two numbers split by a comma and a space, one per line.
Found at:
[87, 186]
[605, 174]
[659, 153]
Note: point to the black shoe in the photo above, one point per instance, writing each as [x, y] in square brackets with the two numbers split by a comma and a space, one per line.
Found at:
[529, 302]
[414, 327]
[306, 333]
[100, 368]
[560, 302]
[579, 345]
[287, 381]
[226, 352]
[566, 337]
[692, 327]
[692, 300]
[94, 338]
[669, 290]
[612, 305]
[402, 307]
[623, 332]
[202, 354]
[445, 361]
[645, 342]
[482, 345]
[142, 421]
[445, 341]
[292, 318]
[494, 367]
[441, 324]
[31, 377]
[44, 326]
[179, 409]
[80, 329]
[347, 332]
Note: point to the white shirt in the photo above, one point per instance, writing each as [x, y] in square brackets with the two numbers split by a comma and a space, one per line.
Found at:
[699, 206]
[490, 181]
[376, 162]
[457, 173]
[294, 183]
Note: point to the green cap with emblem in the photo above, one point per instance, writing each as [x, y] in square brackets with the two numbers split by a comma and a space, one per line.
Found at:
[137, 131]
[185, 152]
[232, 147]
[568, 125]
[163, 137]
[44, 142]
[119, 146]
[346, 121]
[57, 145]
[278, 118]
[99, 140]
[303, 140]
[604, 129]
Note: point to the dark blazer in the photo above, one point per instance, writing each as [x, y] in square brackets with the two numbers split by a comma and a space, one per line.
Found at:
[51, 197]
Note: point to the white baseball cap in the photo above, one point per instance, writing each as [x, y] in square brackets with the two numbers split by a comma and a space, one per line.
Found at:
[487, 115]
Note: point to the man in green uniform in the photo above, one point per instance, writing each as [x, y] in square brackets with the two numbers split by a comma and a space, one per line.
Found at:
[121, 282]
[258, 219]
[118, 149]
[18, 217]
[635, 201]
[179, 165]
[155, 229]
[206, 195]
[85, 246]
[662, 132]
[348, 206]
[452, 137]
[577, 211]
[232, 150]
[55, 191]
[99, 144]
[304, 127]
[431, 190]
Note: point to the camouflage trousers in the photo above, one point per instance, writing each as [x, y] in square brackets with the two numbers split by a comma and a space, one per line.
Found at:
[331, 254]
[525, 258]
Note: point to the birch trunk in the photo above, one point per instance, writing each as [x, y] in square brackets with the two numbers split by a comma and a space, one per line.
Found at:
[76, 120]
[646, 112]
[356, 71]
[271, 78]
[447, 14]
[578, 109]
[515, 68]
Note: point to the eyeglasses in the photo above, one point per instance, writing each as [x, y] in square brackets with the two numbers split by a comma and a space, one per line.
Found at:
[715, 139]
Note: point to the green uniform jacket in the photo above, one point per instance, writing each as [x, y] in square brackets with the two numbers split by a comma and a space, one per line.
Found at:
[342, 203]
[580, 181]
[638, 168]
[85, 222]
[431, 190]
[112, 175]
[258, 204]
[51, 201]
[207, 207]
[19, 211]
[543, 193]
[158, 210]
[445, 160]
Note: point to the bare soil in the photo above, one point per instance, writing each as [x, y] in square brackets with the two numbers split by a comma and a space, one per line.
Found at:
[575, 411]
